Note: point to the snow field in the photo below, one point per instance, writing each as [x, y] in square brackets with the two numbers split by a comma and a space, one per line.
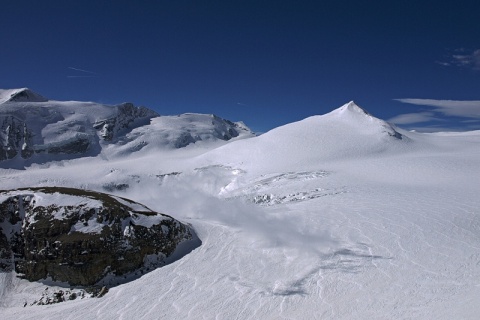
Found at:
[392, 232]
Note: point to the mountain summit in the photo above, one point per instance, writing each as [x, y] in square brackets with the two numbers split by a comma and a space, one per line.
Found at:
[351, 107]
[350, 114]
[20, 95]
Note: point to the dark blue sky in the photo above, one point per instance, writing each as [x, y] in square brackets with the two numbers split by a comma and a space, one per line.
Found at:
[264, 62]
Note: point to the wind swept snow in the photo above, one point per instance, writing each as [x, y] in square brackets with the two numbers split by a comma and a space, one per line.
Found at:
[339, 216]
[20, 95]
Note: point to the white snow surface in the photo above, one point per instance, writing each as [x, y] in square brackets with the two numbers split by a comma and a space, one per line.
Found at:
[332, 217]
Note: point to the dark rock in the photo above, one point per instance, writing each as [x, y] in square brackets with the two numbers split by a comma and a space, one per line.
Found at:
[78, 145]
[111, 187]
[98, 239]
[126, 115]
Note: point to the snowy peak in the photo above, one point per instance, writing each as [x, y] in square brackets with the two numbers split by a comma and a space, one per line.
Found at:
[351, 107]
[20, 95]
[352, 115]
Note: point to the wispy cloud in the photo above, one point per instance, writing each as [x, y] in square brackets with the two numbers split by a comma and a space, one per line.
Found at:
[432, 129]
[81, 70]
[463, 58]
[81, 76]
[465, 109]
[409, 118]
[83, 73]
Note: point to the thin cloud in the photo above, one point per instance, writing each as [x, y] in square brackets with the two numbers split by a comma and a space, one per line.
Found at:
[409, 118]
[464, 59]
[81, 76]
[83, 73]
[444, 63]
[81, 70]
[456, 108]
[435, 129]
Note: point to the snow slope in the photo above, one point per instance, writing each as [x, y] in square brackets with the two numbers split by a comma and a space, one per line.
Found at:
[339, 216]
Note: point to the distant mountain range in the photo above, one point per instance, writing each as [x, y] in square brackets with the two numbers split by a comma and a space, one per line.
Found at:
[35, 129]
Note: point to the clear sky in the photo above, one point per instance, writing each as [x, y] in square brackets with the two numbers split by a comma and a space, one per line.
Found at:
[267, 63]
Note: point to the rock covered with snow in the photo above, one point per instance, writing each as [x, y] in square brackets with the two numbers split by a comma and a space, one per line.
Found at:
[82, 237]
[179, 131]
[20, 95]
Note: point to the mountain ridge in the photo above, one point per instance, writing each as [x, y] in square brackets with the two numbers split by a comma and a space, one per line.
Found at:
[36, 130]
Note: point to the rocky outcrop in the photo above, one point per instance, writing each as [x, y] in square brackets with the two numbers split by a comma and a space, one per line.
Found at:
[127, 114]
[82, 237]
[78, 144]
[11, 138]
[219, 128]
[16, 140]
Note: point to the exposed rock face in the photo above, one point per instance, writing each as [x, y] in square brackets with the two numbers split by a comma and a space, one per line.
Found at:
[14, 138]
[127, 114]
[31, 124]
[221, 129]
[82, 237]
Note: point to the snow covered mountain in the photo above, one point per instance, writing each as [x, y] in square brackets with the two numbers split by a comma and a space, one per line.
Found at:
[345, 133]
[34, 129]
[338, 216]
